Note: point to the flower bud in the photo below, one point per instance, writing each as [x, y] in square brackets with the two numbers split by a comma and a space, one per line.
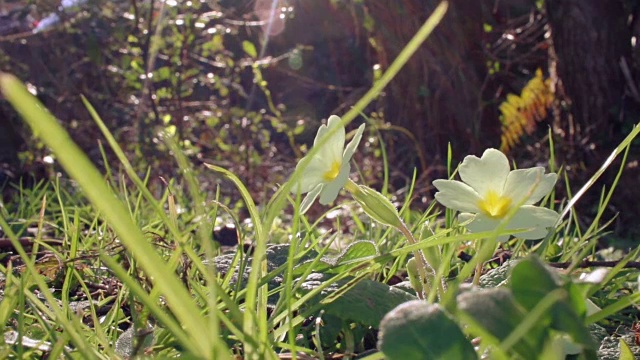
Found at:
[374, 204]
[414, 276]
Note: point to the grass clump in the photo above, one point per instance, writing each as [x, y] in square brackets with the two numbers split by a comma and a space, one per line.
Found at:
[100, 269]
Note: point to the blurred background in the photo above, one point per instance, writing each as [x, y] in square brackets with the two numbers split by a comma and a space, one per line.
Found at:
[245, 84]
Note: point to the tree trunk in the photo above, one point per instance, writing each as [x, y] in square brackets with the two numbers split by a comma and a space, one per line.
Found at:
[437, 95]
[590, 38]
[591, 44]
[10, 143]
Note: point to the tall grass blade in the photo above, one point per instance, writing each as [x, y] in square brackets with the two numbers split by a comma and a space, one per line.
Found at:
[78, 166]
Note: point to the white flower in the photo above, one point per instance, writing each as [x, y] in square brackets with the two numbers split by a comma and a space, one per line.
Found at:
[490, 190]
[328, 170]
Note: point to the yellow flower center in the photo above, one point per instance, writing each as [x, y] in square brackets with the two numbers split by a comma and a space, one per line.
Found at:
[333, 171]
[494, 204]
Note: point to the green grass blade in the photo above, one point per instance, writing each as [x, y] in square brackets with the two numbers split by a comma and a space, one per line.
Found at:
[617, 151]
[255, 315]
[414, 44]
[53, 311]
[78, 166]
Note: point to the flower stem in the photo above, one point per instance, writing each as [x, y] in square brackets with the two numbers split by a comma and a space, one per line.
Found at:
[393, 219]
[422, 263]
[478, 273]
[484, 251]
[351, 186]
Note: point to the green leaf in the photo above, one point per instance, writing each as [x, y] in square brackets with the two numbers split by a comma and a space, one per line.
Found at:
[418, 330]
[129, 341]
[356, 252]
[625, 351]
[497, 312]
[277, 257]
[414, 276]
[374, 204]
[161, 74]
[330, 330]
[249, 48]
[565, 319]
[495, 277]
[368, 23]
[366, 302]
[611, 347]
[197, 334]
[532, 280]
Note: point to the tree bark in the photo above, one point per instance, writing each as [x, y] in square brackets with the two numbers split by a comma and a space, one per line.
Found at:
[437, 95]
[589, 39]
[10, 140]
[10, 144]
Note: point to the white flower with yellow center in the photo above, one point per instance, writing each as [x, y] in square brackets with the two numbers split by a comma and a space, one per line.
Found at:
[328, 170]
[490, 190]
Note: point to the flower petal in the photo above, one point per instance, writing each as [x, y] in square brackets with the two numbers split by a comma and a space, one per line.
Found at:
[464, 217]
[333, 148]
[532, 184]
[485, 223]
[310, 198]
[331, 190]
[320, 133]
[486, 173]
[312, 175]
[535, 217]
[457, 195]
[353, 144]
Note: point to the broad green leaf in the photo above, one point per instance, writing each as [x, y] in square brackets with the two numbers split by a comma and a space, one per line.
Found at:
[569, 316]
[559, 348]
[418, 330]
[357, 251]
[532, 280]
[330, 330]
[277, 257]
[497, 311]
[129, 341]
[366, 302]
[495, 277]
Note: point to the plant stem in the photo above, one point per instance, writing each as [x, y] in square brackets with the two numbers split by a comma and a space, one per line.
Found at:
[390, 217]
[422, 264]
[477, 273]
[484, 252]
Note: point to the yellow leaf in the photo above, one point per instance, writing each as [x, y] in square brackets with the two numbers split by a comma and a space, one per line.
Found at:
[519, 114]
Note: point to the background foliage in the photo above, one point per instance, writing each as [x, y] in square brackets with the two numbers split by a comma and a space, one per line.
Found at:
[244, 84]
